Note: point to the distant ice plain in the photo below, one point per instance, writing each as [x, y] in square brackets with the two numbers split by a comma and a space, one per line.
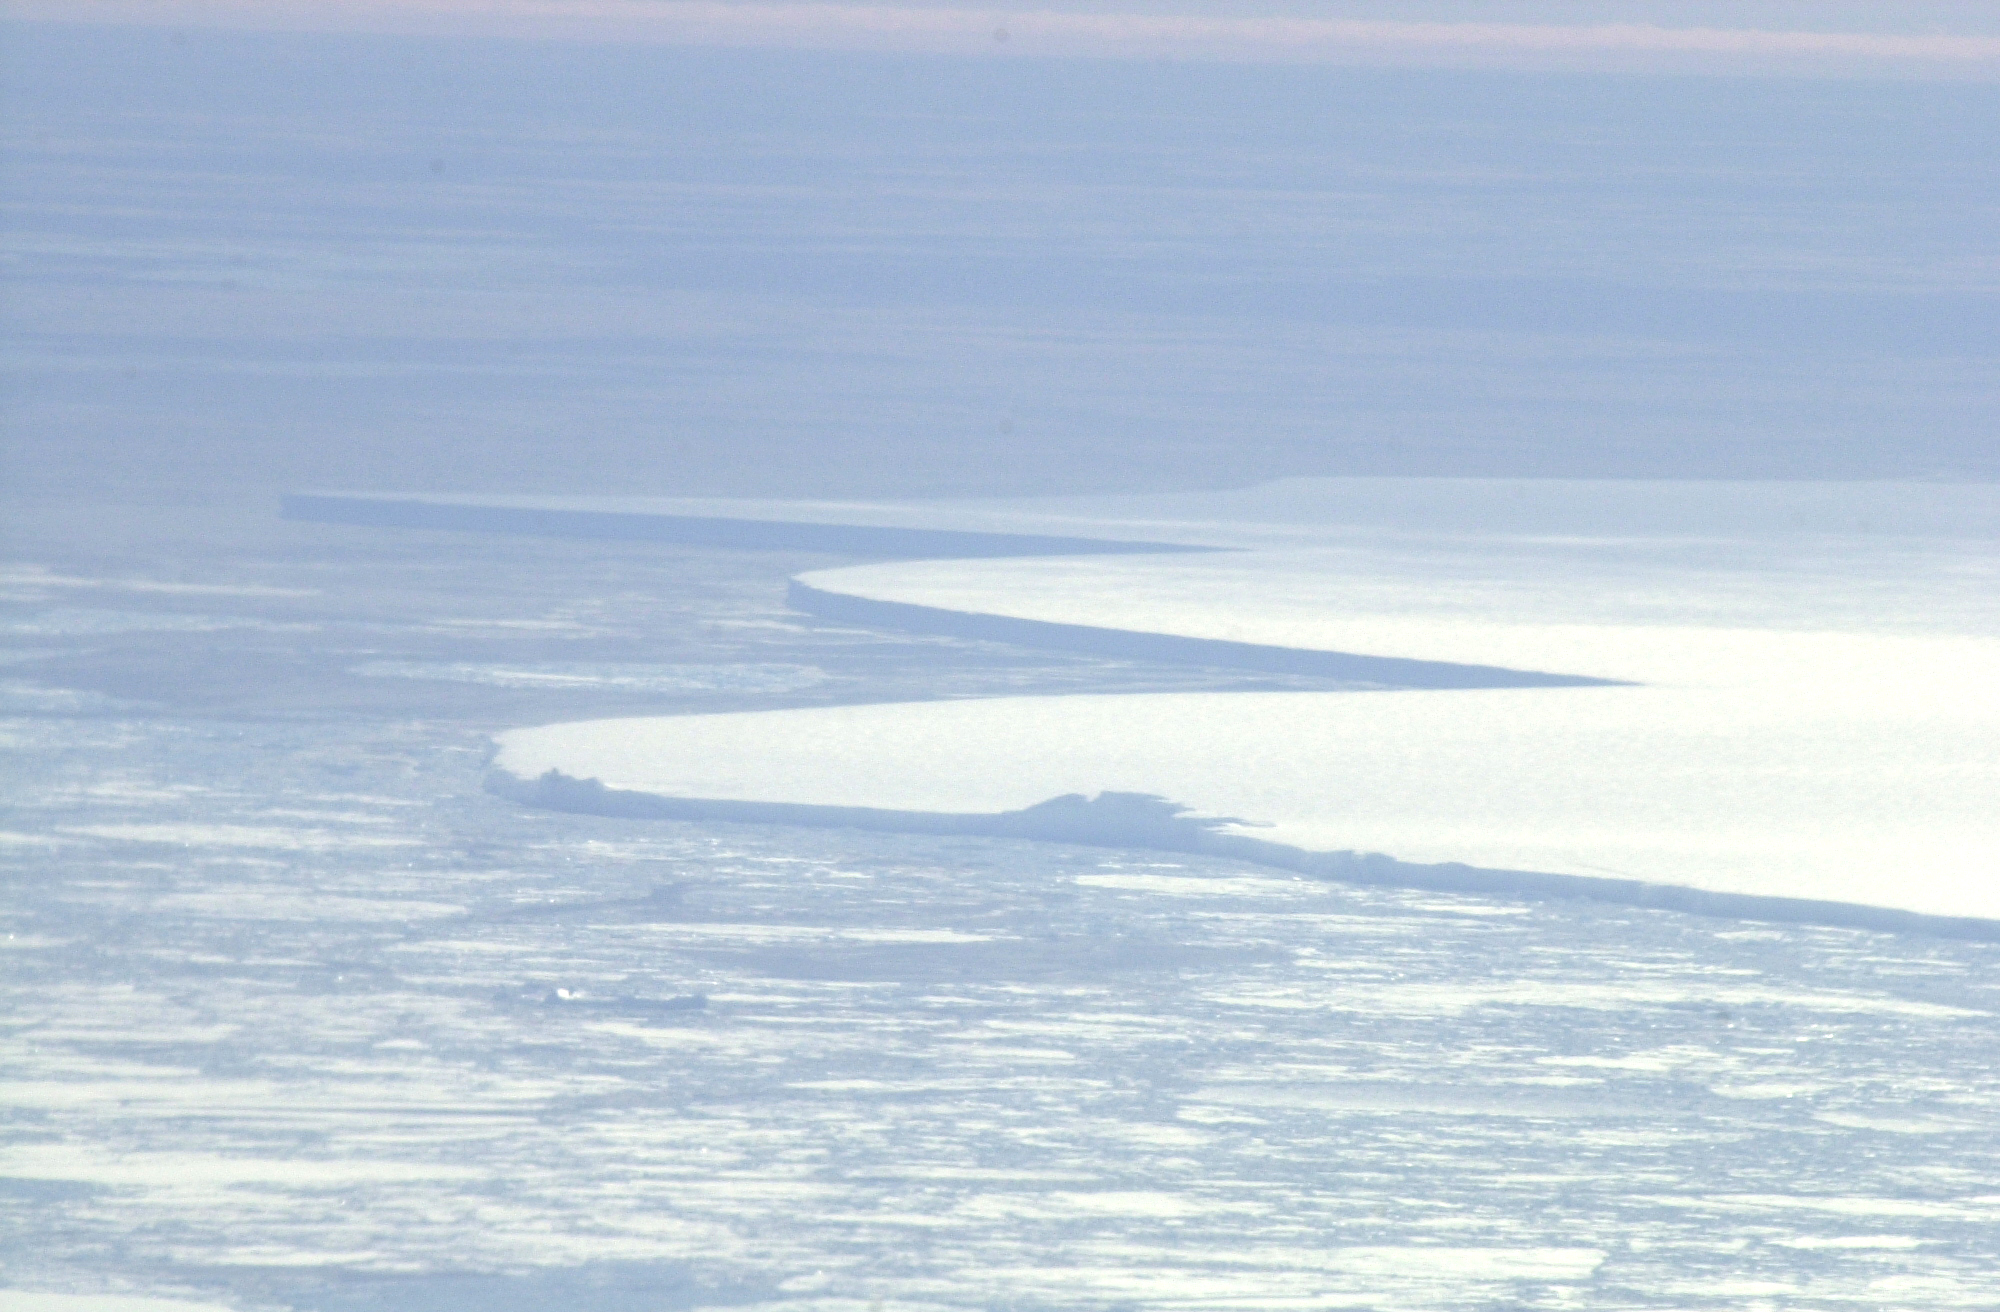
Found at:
[1809, 714]
[248, 266]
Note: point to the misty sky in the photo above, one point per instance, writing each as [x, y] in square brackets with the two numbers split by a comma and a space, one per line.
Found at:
[248, 260]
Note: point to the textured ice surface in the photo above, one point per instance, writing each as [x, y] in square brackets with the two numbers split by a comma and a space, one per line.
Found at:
[800, 1067]
[1811, 715]
[297, 1015]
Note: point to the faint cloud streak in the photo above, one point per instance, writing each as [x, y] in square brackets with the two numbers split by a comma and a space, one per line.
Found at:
[1636, 47]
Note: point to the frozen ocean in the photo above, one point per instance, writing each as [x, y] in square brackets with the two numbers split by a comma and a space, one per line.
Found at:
[300, 1016]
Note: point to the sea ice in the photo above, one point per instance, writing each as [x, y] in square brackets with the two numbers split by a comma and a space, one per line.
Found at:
[1797, 701]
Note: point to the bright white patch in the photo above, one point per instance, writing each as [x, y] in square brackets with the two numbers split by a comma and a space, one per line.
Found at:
[1054, 1206]
[1812, 716]
[1765, 1089]
[1645, 1063]
[1836, 800]
[1193, 886]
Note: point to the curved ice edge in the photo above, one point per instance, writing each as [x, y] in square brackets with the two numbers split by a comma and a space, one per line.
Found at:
[1169, 648]
[387, 511]
[1149, 823]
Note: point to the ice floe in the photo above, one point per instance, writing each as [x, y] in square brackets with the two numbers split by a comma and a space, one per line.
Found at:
[1775, 691]
[1792, 693]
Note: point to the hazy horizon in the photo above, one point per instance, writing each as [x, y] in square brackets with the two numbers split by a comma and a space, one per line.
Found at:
[247, 262]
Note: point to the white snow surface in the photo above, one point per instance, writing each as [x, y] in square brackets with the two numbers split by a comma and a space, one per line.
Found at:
[1810, 711]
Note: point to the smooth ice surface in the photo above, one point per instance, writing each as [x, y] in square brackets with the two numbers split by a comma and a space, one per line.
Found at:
[1811, 715]
[1681, 789]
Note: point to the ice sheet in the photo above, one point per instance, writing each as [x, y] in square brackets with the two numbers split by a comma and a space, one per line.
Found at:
[1809, 713]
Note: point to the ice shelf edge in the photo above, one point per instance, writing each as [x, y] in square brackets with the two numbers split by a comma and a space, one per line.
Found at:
[1144, 822]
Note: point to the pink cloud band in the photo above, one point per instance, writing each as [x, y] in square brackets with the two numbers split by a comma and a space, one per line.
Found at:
[1055, 33]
